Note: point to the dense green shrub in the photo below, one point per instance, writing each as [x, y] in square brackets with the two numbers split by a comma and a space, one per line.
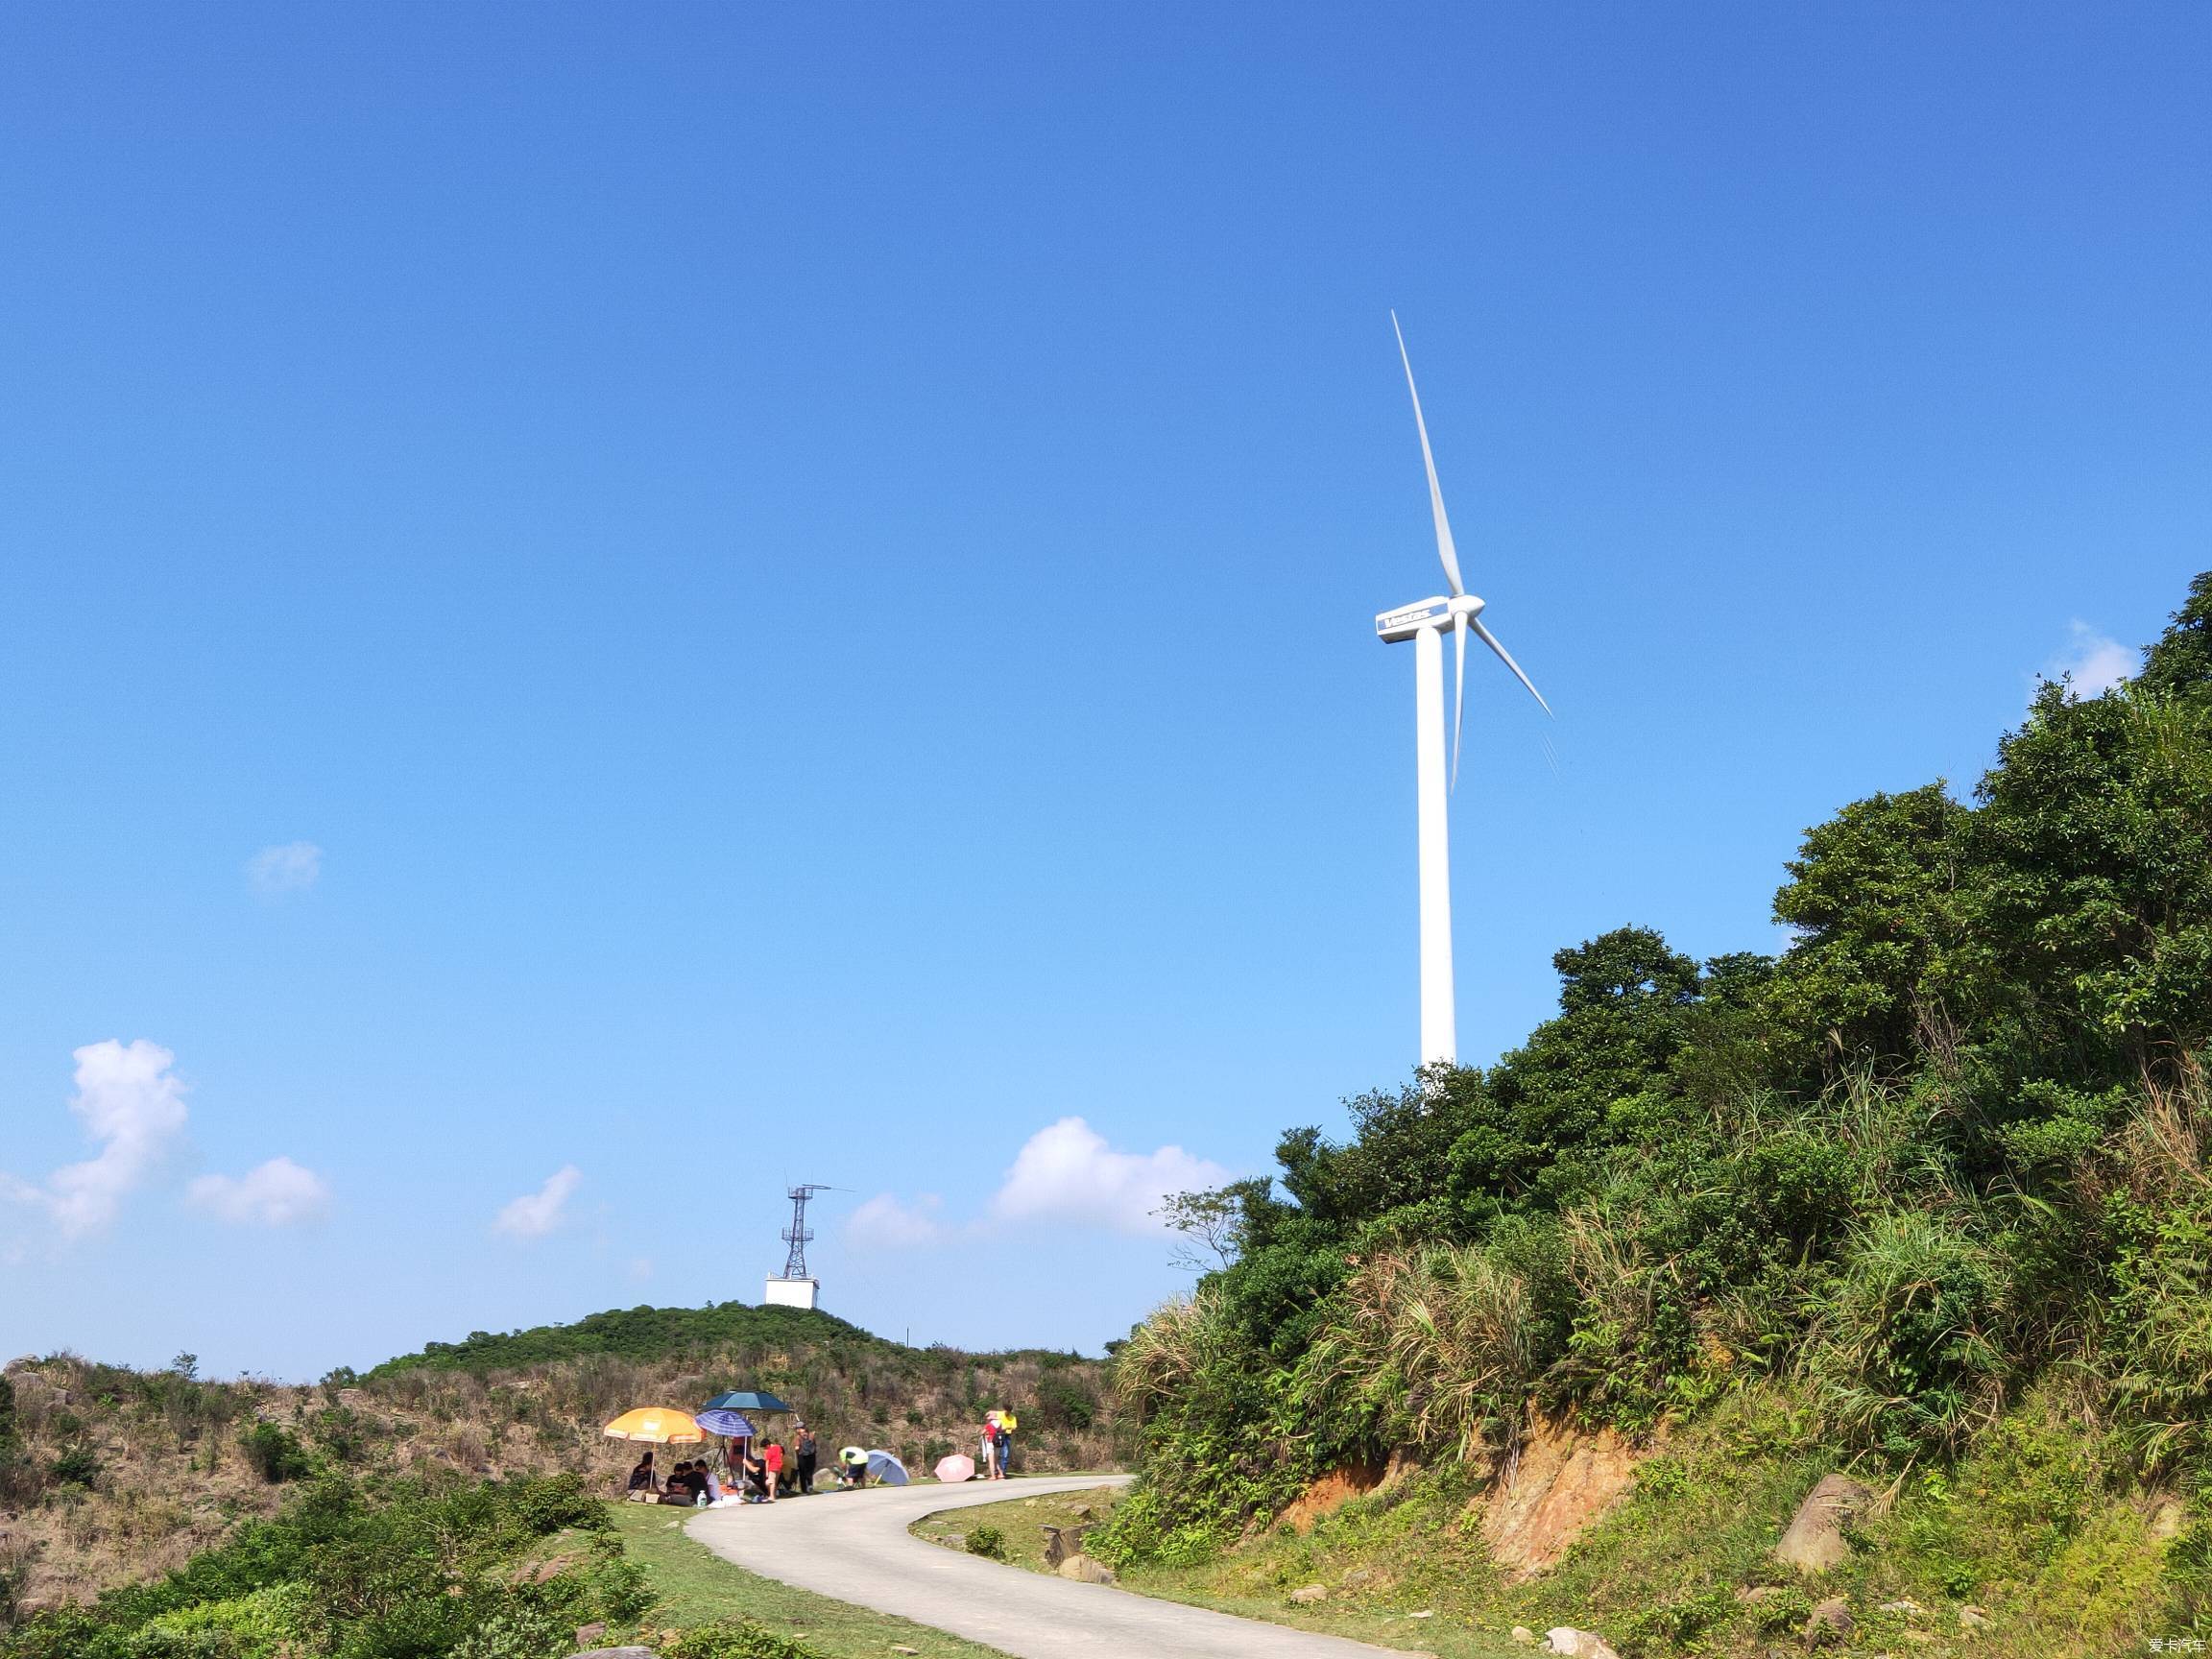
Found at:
[737, 1639]
[75, 1465]
[988, 1542]
[275, 1452]
[1948, 1144]
[402, 1570]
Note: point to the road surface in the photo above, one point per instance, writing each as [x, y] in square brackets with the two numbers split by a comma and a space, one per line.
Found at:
[855, 1545]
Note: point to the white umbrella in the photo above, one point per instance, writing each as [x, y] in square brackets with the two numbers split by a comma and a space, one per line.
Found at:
[955, 1469]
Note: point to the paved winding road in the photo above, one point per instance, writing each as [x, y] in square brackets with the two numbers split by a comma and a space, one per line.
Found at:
[855, 1545]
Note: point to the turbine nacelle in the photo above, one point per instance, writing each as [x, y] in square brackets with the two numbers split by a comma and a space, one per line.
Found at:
[1396, 627]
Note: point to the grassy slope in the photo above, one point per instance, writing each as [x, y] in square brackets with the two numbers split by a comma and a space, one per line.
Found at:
[1380, 1620]
[2028, 1530]
[171, 1475]
[696, 1586]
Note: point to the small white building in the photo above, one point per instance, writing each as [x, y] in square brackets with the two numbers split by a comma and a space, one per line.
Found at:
[804, 1293]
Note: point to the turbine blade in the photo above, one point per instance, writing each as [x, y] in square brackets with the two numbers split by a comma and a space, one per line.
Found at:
[1459, 693]
[1506, 656]
[1444, 547]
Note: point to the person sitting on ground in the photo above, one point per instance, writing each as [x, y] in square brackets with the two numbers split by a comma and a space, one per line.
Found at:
[643, 1479]
[677, 1489]
[756, 1478]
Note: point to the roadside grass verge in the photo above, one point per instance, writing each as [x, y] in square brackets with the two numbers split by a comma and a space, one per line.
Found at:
[696, 1587]
[1019, 1521]
[1255, 1582]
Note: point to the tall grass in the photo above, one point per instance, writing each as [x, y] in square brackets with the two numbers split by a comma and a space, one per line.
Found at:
[1438, 1345]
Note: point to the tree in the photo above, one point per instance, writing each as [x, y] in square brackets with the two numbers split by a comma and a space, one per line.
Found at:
[1873, 895]
[2180, 664]
[1210, 1224]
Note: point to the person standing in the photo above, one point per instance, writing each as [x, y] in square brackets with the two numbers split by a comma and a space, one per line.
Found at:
[807, 1451]
[773, 1458]
[1005, 1445]
[987, 1450]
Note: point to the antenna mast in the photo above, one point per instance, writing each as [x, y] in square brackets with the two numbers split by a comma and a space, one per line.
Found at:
[798, 1235]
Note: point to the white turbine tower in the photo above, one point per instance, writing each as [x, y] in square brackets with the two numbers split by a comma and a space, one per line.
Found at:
[1424, 623]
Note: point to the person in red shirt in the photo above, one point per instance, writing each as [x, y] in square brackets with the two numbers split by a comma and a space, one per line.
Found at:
[772, 1456]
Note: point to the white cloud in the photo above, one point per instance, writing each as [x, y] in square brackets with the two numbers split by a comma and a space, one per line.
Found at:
[1068, 1173]
[536, 1214]
[277, 1194]
[134, 1107]
[292, 868]
[2093, 662]
[884, 1223]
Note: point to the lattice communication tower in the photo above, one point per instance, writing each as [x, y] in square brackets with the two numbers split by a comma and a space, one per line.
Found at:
[797, 1235]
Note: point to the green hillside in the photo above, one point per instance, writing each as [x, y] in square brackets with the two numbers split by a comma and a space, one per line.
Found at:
[1924, 1196]
[112, 1478]
[641, 1333]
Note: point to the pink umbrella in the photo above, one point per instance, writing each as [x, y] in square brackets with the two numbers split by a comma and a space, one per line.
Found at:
[955, 1469]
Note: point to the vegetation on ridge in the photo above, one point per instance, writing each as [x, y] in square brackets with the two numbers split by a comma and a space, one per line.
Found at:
[1929, 1182]
[110, 1476]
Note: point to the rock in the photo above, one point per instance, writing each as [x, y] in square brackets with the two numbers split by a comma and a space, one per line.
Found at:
[902, 1647]
[1973, 1617]
[1062, 1542]
[1751, 1595]
[1831, 1622]
[617, 1653]
[959, 1541]
[1904, 1609]
[1577, 1644]
[1814, 1541]
[1305, 1595]
[1086, 1513]
[1425, 1613]
[1085, 1570]
[1524, 1635]
[1359, 1579]
[587, 1634]
[1563, 1481]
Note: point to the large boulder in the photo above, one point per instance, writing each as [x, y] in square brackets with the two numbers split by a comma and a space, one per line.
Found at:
[1831, 1624]
[1577, 1644]
[1085, 1570]
[1814, 1541]
[1063, 1542]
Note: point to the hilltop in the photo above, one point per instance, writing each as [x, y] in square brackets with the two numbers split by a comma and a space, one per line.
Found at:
[641, 1333]
[109, 1475]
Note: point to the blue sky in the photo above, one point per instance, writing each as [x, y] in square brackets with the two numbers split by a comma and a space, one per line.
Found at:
[708, 597]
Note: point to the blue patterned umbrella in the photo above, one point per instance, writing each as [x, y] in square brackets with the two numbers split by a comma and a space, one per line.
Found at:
[744, 1400]
[728, 1424]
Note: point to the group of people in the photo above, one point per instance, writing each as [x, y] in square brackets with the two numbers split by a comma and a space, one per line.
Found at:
[690, 1483]
[759, 1471]
[997, 1446]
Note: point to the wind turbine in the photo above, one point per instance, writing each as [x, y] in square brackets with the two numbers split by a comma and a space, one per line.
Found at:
[1424, 623]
